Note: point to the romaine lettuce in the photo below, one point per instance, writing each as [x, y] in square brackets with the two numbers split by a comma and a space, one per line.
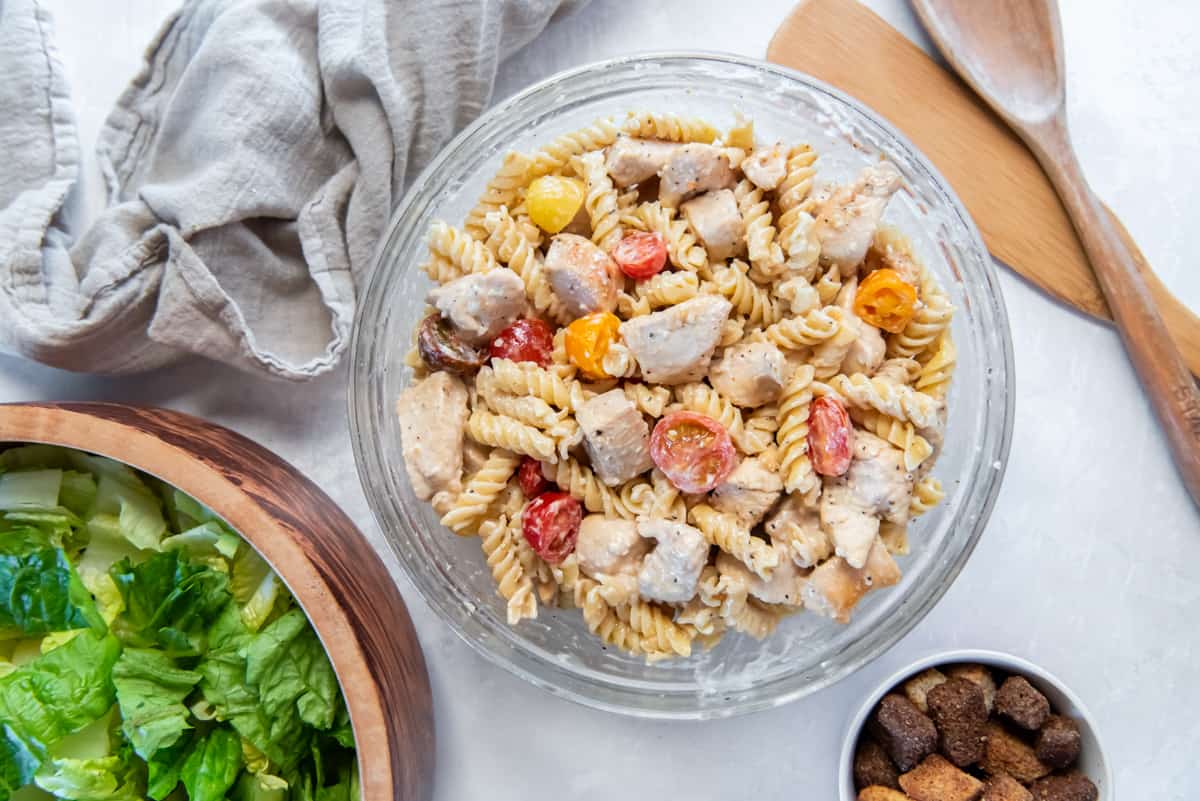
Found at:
[150, 691]
[39, 589]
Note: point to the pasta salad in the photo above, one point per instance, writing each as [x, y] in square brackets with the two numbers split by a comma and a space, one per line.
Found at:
[668, 378]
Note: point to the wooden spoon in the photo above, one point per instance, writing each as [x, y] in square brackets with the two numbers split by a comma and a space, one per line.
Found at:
[1010, 52]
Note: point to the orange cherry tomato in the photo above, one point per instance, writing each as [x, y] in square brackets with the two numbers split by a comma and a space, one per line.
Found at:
[830, 437]
[885, 300]
[693, 450]
[588, 339]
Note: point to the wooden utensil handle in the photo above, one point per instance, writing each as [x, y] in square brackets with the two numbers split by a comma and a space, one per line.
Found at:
[1165, 377]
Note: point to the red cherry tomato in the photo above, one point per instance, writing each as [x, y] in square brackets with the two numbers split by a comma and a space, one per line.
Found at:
[641, 255]
[525, 341]
[530, 478]
[693, 451]
[830, 437]
[550, 524]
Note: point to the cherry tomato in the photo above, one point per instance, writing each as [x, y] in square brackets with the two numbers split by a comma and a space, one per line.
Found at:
[525, 341]
[830, 437]
[641, 255]
[693, 451]
[588, 339]
[553, 201]
[550, 524]
[885, 300]
[441, 348]
[530, 478]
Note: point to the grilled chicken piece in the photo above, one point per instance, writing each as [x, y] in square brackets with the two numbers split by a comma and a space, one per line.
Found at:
[786, 585]
[834, 587]
[750, 375]
[582, 275]
[867, 351]
[766, 166]
[674, 346]
[847, 220]
[480, 305]
[433, 415]
[672, 570]
[616, 437]
[876, 486]
[799, 526]
[693, 169]
[715, 218]
[631, 160]
[609, 547]
[749, 492]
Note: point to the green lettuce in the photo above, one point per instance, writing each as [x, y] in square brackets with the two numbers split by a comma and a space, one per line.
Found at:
[138, 511]
[212, 765]
[30, 489]
[287, 662]
[150, 691]
[168, 602]
[39, 589]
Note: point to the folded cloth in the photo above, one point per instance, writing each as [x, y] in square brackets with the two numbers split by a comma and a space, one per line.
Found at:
[251, 167]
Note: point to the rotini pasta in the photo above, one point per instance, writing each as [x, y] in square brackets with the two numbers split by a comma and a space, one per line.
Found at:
[705, 400]
[725, 532]
[600, 201]
[898, 432]
[481, 492]
[765, 254]
[504, 432]
[507, 240]
[927, 494]
[499, 549]
[890, 398]
[671, 127]
[748, 298]
[813, 328]
[467, 254]
[792, 436]
[934, 377]
[500, 192]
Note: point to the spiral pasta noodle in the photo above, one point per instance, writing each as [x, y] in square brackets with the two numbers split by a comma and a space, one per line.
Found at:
[512, 583]
[897, 400]
[934, 377]
[501, 191]
[525, 378]
[600, 200]
[668, 289]
[659, 632]
[581, 483]
[725, 532]
[765, 254]
[703, 399]
[685, 252]
[466, 253]
[671, 127]
[927, 494]
[508, 241]
[750, 300]
[482, 490]
[650, 400]
[795, 187]
[504, 432]
[792, 435]
[932, 317]
[813, 328]
[558, 153]
[900, 433]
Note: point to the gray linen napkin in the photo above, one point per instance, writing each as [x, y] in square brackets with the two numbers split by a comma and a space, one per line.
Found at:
[251, 168]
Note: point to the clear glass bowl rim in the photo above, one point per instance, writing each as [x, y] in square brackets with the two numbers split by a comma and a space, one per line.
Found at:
[362, 408]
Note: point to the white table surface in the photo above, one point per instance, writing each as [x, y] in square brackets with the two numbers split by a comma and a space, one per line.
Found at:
[1089, 565]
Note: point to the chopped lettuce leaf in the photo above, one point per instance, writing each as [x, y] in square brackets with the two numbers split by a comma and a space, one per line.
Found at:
[168, 601]
[205, 539]
[150, 691]
[58, 639]
[288, 664]
[259, 787]
[39, 589]
[166, 766]
[31, 792]
[78, 492]
[139, 513]
[212, 765]
[35, 456]
[30, 489]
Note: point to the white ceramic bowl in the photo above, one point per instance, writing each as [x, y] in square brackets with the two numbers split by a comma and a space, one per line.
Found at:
[1092, 761]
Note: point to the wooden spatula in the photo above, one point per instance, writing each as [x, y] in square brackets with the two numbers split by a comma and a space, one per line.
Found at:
[1010, 52]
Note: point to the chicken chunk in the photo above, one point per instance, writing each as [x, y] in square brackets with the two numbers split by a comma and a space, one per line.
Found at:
[671, 572]
[801, 296]
[847, 220]
[675, 345]
[834, 587]
[616, 437]
[799, 526]
[582, 275]
[609, 547]
[715, 218]
[749, 492]
[877, 486]
[767, 166]
[693, 169]
[750, 375]
[785, 586]
[480, 305]
[867, 351]
[632, 160]
[433, 416]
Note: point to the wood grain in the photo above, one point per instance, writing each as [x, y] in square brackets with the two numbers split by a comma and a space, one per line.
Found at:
[1012, 201]
[325, 560]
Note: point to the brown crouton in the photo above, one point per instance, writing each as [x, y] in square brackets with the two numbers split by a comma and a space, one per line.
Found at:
[1058, 742]
[903, 730]
[1005, 752]
[1004, 788]
[935, 779]
[1022, 703]
[879, 793]
[957, 710]
[873, 767]
[919, 686]
[1073, 787]
[980, 675]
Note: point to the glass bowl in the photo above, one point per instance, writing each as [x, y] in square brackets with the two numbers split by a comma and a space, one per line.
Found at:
[807, 652]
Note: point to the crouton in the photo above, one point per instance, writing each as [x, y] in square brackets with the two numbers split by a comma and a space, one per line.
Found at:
[873, 767]
[975, 672]
[935, 779]
[919, 686]
[1005, 752]
[904, 731]
[957, 710]
[1073, 787]
[1022, 703]
[1058, 741]
[1003, 787]
[879, 793]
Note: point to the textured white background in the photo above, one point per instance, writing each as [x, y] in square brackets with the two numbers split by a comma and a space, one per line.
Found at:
[1089, 566]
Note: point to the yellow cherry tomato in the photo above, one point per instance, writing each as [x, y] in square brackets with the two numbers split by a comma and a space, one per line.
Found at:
[554, 201]
[588, 339]
[885, 300]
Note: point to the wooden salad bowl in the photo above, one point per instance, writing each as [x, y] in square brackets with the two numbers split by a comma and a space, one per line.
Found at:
[326, 562]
